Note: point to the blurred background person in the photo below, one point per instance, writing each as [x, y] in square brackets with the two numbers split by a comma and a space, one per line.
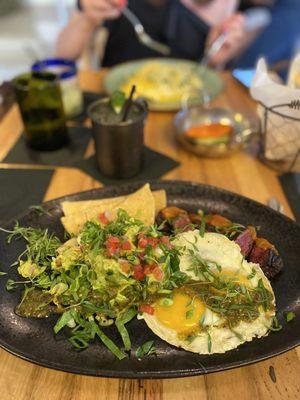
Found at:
[278, 41]
[186, 26]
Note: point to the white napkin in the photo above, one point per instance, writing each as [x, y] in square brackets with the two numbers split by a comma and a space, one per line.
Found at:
[282, 135]
[294, 73]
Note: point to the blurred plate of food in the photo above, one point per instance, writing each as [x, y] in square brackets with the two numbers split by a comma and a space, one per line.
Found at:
[214, 132]
[165, 82]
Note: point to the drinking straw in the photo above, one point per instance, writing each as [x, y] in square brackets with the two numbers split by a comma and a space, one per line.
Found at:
[128, 104]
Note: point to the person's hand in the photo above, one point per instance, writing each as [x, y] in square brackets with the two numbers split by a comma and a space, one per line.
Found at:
[259, 3]
[99, 10]
[234, 29]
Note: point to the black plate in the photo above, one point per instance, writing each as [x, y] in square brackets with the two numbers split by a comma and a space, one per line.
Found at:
[33, 339]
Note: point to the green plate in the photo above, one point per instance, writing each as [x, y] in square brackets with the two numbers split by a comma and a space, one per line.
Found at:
[212, 82]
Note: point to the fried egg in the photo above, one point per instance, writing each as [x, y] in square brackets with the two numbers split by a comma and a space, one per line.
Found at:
[187, 321]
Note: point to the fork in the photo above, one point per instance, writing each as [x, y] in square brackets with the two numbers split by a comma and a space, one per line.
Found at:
[142, 36]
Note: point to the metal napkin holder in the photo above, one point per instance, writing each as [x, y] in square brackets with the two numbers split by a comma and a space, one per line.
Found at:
[268, 127]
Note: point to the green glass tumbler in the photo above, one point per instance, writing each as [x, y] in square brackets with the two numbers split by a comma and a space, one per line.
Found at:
[40, 102]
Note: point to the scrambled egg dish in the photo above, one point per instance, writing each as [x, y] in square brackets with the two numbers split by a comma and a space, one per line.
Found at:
[163, 83]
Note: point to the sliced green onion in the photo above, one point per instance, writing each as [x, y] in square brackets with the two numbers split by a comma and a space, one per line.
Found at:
[120, 324]
[109, 344]
[166, 302]
[275, 325]
[202, 320]
[202, 227]
[64, 320]
[209, 344]
[146, 349]
[78, 342]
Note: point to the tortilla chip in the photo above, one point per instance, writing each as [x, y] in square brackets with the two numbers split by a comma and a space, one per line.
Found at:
[76, 207]
[160, 200]
[74, 222]
[139, 204]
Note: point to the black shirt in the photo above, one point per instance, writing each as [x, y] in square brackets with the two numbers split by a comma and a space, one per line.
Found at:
[172, 24]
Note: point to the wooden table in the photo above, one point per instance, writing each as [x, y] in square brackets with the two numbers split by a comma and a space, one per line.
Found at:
[242, 173]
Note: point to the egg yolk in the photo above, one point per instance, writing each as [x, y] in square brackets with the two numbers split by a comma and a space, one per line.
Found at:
[230, 276]
[233, 277]
[183, 315]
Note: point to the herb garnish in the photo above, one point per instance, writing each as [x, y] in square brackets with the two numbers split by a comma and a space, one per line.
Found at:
[224, 295]
[202, 226]
[231, 230]
[289, 316]
[146, 349]
[209, 344]
[189, 314]
[40, 210]
[275, 325]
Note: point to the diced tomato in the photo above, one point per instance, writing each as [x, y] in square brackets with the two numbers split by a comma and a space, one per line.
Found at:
[126, 245]
[157, 273]
[138, 272]
[146, 308]
[113, 241]
[144, 241]
[152, 241]
[155, 270]
[166, 241]
[125, 266]
[103, 219]
[112, 245]
[148, 269]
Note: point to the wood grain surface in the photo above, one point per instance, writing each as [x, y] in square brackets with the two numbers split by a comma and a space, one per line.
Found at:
[277, 378]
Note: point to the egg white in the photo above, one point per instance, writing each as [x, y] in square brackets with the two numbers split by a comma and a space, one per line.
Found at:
[215, 248]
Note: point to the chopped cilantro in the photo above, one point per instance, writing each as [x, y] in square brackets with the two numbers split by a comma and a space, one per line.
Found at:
[189, 314]
[289, 316]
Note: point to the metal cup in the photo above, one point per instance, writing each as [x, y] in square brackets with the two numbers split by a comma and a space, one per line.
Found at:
[119, 146]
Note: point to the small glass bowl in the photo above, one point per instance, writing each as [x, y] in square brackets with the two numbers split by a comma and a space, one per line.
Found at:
[196, 116]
